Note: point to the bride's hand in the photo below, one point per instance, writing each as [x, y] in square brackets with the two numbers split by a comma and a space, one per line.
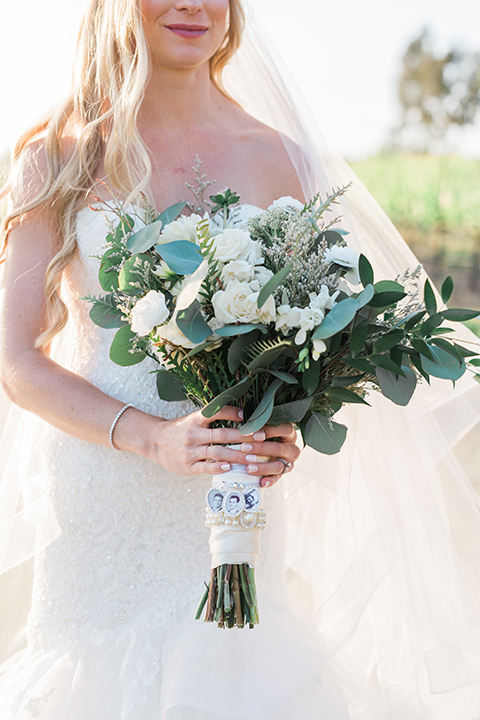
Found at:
[189, 446]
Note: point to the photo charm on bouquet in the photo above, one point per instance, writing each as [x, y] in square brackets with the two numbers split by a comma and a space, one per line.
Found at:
[276, 314]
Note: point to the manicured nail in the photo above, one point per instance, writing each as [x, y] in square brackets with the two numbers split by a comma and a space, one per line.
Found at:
[225, 466]
[246, 447]
[266, 483]
[251, 458]
[240, 414]
[259, 436]
[252, 468]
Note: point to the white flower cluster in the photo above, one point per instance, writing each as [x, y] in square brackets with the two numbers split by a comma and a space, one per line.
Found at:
[243, 276]
[307, 319]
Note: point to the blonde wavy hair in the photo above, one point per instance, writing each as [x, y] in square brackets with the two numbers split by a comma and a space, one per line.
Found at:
[112, 68]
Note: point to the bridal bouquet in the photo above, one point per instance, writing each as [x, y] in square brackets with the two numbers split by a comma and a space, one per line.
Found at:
[276, 314]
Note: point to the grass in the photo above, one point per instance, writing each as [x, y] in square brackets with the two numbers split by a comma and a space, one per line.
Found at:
[435, 203]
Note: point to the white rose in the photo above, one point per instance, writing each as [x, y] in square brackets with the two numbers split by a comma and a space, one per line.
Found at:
[171, 333]
[185, 228]
[319, 347]
[342, 255]
[287, 202]
[237, 270]
[236, 244]
[149, 312]
[237, 303]
[262, 275]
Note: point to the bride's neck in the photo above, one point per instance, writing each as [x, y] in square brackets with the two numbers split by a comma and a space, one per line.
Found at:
[176, 101]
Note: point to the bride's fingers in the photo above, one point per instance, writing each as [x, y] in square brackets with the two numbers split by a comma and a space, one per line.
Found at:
[229, 412]
[212, 468]
[219, 453]
[266, 470]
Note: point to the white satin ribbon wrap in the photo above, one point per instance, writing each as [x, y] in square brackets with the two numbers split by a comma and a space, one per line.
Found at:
[233, 544]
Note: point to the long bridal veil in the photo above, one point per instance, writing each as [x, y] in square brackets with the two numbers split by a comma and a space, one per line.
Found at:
[384, 538]
[381, 541]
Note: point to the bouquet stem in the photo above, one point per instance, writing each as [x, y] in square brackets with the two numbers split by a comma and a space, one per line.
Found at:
[230, 599]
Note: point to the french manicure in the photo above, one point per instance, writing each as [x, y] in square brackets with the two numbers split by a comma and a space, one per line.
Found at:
[252, 468]
[251, 458]
[225, 466]
[259, 436]
[240, 414]
[246, 447]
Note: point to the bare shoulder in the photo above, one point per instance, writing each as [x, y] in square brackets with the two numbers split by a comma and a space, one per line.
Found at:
[262, 147]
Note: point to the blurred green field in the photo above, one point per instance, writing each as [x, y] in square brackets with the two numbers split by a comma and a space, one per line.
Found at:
[434, 201]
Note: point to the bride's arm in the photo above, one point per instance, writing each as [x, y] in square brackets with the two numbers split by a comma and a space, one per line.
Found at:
[34, 381]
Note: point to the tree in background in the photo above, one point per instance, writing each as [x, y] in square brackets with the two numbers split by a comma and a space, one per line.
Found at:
[437, 93]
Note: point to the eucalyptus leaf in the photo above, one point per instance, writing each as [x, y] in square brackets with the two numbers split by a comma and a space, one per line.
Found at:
[238, 350]
[262, 412]
[361, 364]
[384, 299]
[359, 337]
[145, 238]
[182, 256]
[274, 282]
[105, 313]
[460, 315]
[107, 275]
[332, 237]
[475, 362]
[344, 395]
[227, 397]
[396, 388]
[285, 377]
[386, 363]
[421, 347]
[365, 271]
[325, 436]
[292, 412]
[365, 296]
[311, 376]
[231, 330]
[337, 319]
[431, 323]
[388, 341]
[413, 320]
[445, 365]
[429, 298]
[447, 289]
[132, 274]
[169, 387]
[121, 349]
[190, 321]
[171, 213]
[449, 347]
[347, 380]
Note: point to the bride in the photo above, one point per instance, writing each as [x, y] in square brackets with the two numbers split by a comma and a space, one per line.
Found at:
[367, 607]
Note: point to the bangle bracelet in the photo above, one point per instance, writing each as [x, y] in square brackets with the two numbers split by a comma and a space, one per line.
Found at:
[114, 423]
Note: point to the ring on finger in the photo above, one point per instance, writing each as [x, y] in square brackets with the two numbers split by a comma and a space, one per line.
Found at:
[286, 465]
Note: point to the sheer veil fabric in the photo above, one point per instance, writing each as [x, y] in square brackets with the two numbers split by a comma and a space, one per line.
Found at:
[378, 540]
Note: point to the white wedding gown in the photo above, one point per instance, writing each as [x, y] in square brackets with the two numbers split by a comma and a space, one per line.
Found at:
[111, 634]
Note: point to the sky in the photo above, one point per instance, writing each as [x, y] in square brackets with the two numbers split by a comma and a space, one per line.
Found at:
[345, 57]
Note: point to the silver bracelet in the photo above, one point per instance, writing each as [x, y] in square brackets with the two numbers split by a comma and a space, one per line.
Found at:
[113, 425]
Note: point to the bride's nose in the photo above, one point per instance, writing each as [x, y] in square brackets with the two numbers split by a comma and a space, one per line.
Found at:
[190, 6]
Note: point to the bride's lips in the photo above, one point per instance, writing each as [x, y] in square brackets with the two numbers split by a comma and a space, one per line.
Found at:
[188, 31]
